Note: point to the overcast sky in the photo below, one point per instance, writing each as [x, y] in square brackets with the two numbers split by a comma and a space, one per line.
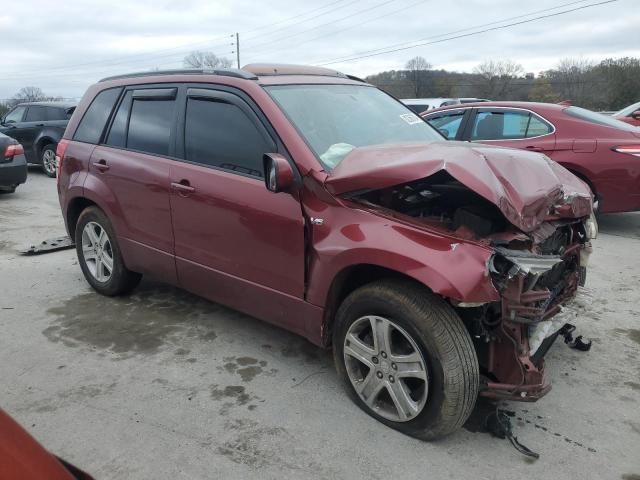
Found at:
[64, 46]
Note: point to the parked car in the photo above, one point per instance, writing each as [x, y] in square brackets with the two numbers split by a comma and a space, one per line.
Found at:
[317, 202]
[13, 165]
[22, 457]
[38, 126]
[597, 148]
[630, 114]
[420, 105]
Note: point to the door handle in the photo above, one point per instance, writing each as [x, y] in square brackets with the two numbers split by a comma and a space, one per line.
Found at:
[533, 148]
[183, 186]
[39, 124]
[101, 165]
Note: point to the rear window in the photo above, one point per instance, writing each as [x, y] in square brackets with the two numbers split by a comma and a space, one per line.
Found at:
[95, 118]
[598, 119]
[150, 125]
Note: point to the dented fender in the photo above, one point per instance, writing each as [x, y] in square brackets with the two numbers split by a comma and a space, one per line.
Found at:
[451, 267]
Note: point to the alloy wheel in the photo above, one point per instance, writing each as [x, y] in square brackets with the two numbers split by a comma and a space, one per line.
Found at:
[386, 368]
[49, 161]
[97, 251]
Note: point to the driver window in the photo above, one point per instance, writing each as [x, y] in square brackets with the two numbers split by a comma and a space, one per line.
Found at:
[15, 115]
[448, 124]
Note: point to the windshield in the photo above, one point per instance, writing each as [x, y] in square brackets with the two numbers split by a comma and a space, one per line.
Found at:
[593, 117]
[625, 112]
[335, 119]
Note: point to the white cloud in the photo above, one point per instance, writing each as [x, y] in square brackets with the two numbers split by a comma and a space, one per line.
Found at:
[62, 47]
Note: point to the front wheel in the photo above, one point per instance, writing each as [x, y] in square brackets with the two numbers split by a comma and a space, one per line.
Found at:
[99, 255]
[48, 158]
[406, 358]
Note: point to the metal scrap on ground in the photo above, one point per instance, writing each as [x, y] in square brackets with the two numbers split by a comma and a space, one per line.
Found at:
[50, 245]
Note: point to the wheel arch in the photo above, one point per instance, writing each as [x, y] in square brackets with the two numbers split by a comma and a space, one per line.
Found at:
[348, 280]
[76, 206]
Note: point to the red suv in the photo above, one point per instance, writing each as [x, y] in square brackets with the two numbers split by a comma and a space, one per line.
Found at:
[316, 202]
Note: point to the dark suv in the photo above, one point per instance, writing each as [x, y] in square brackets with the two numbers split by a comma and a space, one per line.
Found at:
[38, 126]
[317, 202]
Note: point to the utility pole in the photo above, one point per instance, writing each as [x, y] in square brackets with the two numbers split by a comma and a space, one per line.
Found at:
[238, 48]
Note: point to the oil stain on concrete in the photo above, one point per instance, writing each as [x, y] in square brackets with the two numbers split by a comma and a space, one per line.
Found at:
[138, 324]
[247, 367]
[233, 396]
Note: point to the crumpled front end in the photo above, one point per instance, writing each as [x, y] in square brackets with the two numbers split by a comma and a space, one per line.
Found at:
[514, 335]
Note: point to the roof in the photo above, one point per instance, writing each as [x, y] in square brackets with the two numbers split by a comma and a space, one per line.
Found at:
[50, 104]
[254, 71]
[526, 105]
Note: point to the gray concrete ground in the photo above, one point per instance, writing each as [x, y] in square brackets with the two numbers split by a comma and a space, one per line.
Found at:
[165, 385]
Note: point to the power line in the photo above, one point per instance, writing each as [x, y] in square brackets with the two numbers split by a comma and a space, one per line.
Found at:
[388, 50]
[262, 44]
[466, 29]
[333, 32]
[152, 55]
[308, 19]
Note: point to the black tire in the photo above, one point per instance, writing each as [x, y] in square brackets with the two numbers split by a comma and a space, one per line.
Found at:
[121, 280]
[444, 342]
[8, 189]
[49, 149]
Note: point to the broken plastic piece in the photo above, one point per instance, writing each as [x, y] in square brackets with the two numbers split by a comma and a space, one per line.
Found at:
[580, 344]
[499, 425]
[46, 246]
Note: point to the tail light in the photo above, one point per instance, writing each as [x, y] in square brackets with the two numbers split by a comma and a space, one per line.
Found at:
[628, 149]
[60, 151]
[13, 150]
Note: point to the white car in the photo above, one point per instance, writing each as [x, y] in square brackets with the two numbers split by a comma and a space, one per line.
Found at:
[420, 105]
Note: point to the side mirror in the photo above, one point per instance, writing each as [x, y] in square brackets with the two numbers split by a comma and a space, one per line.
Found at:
[636, 114]
[278, 174]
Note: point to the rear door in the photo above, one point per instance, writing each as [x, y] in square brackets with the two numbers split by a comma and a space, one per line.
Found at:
[235, 242]
[511, 127]
[130, 168]
[34, 121]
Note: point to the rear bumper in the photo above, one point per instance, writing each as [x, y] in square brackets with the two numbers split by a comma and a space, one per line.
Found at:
[14, 172]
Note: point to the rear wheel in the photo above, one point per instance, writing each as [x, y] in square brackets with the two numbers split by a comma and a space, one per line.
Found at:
[48, 158]
[99, 255]
[406, 358]
[10, 189]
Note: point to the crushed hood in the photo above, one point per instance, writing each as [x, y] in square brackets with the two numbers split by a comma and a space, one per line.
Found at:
[525, 186]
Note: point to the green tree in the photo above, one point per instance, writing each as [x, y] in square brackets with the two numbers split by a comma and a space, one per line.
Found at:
[542, 91]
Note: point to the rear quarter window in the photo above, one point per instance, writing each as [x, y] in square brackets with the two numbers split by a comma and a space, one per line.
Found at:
[95, 118]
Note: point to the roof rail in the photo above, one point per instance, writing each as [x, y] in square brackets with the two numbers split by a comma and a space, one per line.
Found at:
[270, 69]
[227, 72]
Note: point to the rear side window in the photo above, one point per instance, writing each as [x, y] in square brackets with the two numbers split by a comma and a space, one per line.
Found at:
[36, 113]
[57, 113]
[508, 125]
[221, 135]
[95, 118]
[150, 125]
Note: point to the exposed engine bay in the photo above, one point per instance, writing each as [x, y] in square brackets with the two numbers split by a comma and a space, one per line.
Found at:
[535, 272]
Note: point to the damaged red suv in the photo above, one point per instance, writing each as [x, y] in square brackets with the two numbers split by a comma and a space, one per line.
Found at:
[314, 201]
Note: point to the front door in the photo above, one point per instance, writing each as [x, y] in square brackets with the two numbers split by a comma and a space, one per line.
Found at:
[235, 242]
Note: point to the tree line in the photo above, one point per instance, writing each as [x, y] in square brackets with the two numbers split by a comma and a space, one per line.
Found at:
[607, 85]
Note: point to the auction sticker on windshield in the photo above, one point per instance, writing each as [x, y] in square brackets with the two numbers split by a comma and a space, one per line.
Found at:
[410, 118]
